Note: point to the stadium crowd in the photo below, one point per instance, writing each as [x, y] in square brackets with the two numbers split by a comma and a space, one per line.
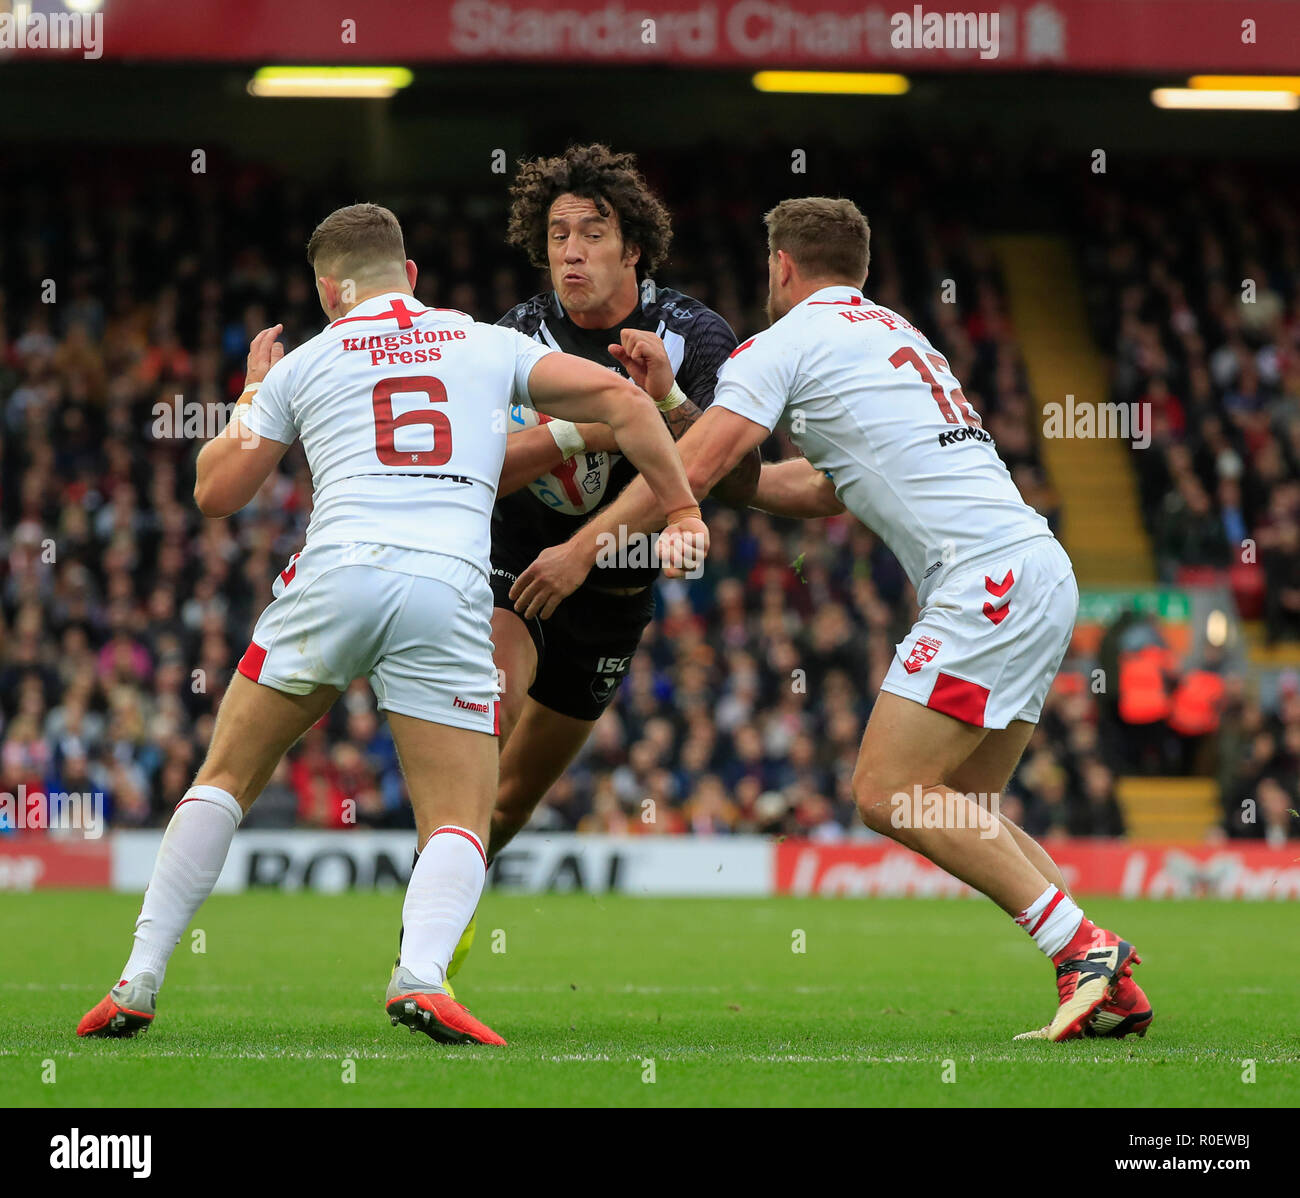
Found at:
[1194, 287]
[127, 301]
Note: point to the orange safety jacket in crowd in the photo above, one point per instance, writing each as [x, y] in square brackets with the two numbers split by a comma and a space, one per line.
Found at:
[1197, 704]
[1143, 692]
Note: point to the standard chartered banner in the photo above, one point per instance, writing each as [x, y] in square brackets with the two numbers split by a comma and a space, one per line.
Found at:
[892, 35]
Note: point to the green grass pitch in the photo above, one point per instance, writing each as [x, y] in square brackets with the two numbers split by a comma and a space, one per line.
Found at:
[599, 995]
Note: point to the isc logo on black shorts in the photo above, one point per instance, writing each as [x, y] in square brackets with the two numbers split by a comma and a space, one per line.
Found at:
[609, 671]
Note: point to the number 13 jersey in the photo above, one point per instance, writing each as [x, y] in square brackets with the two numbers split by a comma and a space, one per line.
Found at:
[870, 401]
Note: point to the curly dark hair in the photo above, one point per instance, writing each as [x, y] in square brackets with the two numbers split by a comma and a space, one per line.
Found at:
[596, 173]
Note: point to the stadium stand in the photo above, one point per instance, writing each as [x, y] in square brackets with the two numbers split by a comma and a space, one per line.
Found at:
[143, 607]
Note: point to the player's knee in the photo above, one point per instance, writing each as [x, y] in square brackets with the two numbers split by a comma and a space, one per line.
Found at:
[875, 810]
[886, 801]
[872, 795]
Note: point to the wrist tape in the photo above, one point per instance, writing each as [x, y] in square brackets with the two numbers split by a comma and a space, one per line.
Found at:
[674, 399]
[567, 437]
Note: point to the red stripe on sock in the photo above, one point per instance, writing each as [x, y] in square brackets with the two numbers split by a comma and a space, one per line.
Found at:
[1042, 919]
[468, 836]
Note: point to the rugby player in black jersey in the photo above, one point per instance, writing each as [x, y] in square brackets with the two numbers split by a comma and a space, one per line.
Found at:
[588, 217]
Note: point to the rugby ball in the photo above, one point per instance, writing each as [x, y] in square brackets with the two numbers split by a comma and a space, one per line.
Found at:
[576, 487]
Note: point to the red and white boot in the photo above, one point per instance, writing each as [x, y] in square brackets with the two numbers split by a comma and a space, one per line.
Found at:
[1088, 972]
[1125, 1013]
[126, 1009]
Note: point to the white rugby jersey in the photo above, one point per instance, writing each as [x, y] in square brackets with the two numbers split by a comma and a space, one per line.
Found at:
[870, 401]
[402, 414]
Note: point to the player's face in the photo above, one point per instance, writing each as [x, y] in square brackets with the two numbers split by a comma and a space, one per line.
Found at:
[591, 269]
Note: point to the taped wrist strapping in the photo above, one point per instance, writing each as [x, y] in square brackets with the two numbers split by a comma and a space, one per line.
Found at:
[567, 437]
[674, 399]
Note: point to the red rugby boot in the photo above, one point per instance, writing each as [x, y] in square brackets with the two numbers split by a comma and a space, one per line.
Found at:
[1087, 970]
[126, 1009]
[426, 1008]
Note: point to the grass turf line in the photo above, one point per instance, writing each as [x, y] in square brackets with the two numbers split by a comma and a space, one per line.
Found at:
[590, 989]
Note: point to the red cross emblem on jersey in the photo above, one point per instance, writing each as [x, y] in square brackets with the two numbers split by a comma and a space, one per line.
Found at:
[397, 310]
[923, 651]
[403, 314]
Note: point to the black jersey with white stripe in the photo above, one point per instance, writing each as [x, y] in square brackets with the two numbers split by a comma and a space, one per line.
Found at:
[549, 510]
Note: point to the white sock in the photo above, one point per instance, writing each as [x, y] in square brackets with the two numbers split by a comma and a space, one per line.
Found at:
[440, 900]
[1051, 919]
[190, 858]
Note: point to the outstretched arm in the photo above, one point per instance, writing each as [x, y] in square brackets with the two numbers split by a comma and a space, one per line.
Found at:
[532, 452]
[573, 388]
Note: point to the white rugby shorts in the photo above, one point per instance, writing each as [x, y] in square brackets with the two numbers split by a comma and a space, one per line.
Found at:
[987, 644]
[417, 625]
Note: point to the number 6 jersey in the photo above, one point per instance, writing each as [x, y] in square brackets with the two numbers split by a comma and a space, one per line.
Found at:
[402, 411]
[869, 400]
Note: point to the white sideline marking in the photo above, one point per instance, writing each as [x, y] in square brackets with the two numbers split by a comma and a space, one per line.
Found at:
[711, 1056]
[554, 988]
[488, 988]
